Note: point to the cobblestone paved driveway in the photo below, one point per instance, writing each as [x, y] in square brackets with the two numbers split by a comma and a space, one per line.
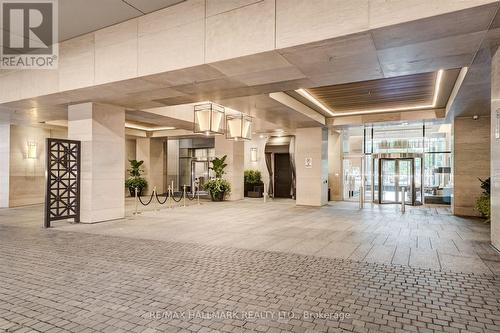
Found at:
[55, 281]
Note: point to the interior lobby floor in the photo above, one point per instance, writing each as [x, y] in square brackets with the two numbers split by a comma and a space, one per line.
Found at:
[423, 237]
[250, 267]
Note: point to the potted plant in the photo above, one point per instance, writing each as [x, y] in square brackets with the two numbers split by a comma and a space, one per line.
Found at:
[218, 187]
[135, 180]
[253, 183]
[483, 203]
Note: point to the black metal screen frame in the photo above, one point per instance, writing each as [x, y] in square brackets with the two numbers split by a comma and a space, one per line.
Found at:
[62, 180]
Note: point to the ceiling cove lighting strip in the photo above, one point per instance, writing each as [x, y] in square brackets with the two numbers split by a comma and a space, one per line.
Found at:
[149, 129]
[310, 97]
[437, 89]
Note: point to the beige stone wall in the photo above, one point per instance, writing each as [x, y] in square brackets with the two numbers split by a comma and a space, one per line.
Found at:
[312, 182]
[172, 162]
[27, 175]
[101, 129]
[471, 161]
[130, 154]
[235, 164]
[197, 32]
[4, 164]
[151, 152]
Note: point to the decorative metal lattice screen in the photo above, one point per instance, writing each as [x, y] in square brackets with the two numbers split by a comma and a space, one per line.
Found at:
[62, 196]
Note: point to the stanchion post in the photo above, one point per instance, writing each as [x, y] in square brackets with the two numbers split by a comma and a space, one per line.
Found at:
[169, 198]
[361, 197]
[265, 193]
[184, 194]
[156, 207]
[135, 200]
[403, 199]
[198, 192]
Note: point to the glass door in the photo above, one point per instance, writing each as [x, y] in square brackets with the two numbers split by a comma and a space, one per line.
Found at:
[405, 179]
[396, 175]
[388, 181]
[353, 173]
[200, 172]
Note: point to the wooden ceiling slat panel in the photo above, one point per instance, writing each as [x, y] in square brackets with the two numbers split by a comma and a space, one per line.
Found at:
[393, 92]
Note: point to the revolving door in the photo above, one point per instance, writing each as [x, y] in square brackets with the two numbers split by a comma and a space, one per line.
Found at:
[395, 176]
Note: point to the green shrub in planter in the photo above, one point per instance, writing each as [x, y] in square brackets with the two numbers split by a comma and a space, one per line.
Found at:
[138, 182]
[218, 188]
[135, 179]
[483, 204]
[252, 178]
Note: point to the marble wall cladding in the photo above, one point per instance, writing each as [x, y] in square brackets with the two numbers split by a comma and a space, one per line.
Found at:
[4, 164]
[235, 164]
[130, 153]
[151, 152]
[495, 150]
[172, 38]
[172, 162]
[197, 32]
[26, 175]
[76, 62]
[471, 160]
[116, 52]
[241, 31]
[311, 145]
[304, 21]
[101, 128]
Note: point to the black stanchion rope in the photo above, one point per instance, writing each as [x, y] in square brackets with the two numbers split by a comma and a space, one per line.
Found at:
[158, 199]
[193, 196]
[180, 198]
[149, 201]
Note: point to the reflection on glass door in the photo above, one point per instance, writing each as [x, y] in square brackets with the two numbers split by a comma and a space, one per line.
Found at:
[405, 179]
[388, 191]
[199, 172]
[353, 172]
[396, 175]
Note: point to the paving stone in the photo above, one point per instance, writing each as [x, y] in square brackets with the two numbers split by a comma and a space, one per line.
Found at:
[110, 283]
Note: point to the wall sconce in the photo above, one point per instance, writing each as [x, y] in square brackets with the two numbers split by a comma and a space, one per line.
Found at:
[253, 154]
[238, 127]
[31, 150]
[209, 118]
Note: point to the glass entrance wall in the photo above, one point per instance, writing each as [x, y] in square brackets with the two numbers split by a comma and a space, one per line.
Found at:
[431, 139]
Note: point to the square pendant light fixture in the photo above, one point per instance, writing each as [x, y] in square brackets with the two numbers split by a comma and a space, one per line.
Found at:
[238, 127]
[209, 119]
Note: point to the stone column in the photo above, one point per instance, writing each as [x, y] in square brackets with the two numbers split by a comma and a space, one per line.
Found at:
[150, 151]
[311, 159]
[101, 129]
[495, 150]
[471, 160]
[4, 164]
[235, 164]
